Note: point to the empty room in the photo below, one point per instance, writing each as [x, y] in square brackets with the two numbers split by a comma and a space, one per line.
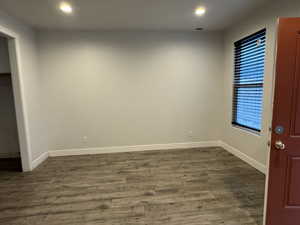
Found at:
[140, 112]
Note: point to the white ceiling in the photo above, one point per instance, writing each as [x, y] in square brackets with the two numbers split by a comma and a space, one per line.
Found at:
[130, 14]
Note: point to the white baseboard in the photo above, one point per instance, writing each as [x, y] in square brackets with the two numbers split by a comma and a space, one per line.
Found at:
[136, 148]
[35, 163]
[7, 155]
[254, 163]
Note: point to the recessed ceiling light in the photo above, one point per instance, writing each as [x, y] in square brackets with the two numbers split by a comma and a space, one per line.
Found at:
[200, 11]
[66, 7]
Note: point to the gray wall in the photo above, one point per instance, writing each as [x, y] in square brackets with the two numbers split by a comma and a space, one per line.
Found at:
[130, 88]
[4, 57]
[9, 143]
[254, 145]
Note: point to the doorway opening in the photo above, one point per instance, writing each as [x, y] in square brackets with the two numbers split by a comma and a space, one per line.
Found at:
[10, 157]
[20, 156]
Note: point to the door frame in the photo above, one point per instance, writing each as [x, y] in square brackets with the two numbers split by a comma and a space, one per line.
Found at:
[270, 120]
[17, 75]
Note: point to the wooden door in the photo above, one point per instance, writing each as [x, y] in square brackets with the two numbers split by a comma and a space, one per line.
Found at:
[284, 174]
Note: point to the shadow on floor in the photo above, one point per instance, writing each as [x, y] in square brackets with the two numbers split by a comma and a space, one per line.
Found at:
[11, 165]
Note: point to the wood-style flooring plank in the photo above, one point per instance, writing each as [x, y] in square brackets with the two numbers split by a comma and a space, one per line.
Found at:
[206, 186]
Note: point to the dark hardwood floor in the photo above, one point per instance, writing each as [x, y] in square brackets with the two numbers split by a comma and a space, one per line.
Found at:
[178, 187]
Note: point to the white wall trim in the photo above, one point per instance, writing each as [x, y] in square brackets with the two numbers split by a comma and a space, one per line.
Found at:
[135, 148]
[35, 163]
[254, 163]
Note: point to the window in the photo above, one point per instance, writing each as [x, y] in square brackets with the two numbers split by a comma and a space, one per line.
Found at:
[248, 81]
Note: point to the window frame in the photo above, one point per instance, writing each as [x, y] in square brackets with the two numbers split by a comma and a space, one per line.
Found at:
[236, 86]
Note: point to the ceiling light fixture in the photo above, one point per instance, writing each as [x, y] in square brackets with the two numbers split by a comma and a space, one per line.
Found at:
[66, 7]
[200, 11]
